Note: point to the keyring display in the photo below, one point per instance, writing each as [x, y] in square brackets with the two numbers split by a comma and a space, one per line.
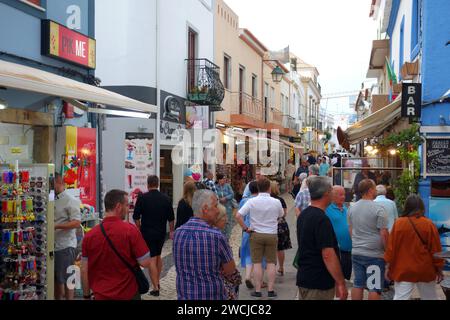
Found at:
[23, 236]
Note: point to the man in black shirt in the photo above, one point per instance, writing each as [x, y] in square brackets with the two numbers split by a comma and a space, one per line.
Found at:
[152, 212]
[319, 274]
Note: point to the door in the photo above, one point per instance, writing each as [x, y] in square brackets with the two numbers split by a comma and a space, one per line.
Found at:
[192, 55]
[241, 88]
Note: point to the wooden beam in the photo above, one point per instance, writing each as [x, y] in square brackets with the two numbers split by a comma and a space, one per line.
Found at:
[26, 117]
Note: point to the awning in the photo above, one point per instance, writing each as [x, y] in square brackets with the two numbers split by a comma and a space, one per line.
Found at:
[21, 77]
[374, 125]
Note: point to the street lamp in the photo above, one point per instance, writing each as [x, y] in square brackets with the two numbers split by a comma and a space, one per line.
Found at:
[277, 74]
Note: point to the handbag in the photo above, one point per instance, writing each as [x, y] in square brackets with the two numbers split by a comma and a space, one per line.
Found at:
[141, 279]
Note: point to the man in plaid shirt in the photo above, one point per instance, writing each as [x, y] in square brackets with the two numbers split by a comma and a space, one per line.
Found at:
[303, 199]
[202, 253]
[209, 183]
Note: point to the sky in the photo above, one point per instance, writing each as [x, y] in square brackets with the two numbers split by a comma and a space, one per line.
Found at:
[334, 35]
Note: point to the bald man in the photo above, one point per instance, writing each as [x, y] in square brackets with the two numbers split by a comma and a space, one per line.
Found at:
[337, 212]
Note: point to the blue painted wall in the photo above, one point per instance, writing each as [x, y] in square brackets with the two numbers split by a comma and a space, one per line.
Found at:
[435, 70]
[20, 29]
[436, 59]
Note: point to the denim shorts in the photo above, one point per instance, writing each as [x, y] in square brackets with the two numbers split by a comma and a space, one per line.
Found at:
[369, 273]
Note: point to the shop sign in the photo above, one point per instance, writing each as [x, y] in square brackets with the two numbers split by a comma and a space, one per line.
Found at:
[412, 100]
[68, 45]
[16, 150]
[295, 140]
[138, 163]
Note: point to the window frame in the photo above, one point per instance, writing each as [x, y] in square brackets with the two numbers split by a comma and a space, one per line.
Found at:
[254, 86]
[415, 28]
[227, 71]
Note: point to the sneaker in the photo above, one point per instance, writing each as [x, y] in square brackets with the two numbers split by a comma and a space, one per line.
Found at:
[256, 294]
[272, 294]
[249, 284]
[154, 293]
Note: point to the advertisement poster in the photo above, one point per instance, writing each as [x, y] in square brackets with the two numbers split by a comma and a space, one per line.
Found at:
[440, 215]
[197, 117]
[139, 164]
[80, 163]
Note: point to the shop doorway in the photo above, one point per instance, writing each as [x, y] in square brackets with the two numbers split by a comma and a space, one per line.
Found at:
[166, 173]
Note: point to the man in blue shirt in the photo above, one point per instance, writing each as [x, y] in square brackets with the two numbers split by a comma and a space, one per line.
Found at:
[337, 212]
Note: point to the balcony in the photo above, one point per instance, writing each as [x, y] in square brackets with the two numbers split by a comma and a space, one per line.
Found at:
[290, 127]
[410, 70]
[203, 83]
[379, 101]
[380, 50]
[245, 110]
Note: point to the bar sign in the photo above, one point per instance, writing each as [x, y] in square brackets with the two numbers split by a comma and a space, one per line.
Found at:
[412, 100]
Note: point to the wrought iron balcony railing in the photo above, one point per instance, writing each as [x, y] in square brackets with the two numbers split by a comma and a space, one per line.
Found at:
[204, 86]
[276, 117]
[245, 104]
[289, 122]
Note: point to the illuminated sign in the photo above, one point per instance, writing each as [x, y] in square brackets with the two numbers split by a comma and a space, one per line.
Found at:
[68, 45]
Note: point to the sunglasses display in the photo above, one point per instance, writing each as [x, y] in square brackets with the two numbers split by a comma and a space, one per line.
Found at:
[23, 235]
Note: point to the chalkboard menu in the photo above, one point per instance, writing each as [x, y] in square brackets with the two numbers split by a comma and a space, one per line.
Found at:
[438, 157]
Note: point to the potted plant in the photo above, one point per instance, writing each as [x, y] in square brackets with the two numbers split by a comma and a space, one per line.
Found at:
[203, 93]
[193, 94]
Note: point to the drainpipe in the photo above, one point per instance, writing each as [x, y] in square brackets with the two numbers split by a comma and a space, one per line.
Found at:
[158, 95]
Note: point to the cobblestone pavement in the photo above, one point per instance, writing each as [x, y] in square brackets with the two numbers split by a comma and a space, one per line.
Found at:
[284, 285]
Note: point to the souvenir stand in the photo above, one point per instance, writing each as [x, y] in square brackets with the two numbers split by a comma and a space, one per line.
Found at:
[26, 229]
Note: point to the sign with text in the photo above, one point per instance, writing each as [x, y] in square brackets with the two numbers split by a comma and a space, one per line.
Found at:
[68, 45]
[412, 100]
[437, 157]
[139, 163]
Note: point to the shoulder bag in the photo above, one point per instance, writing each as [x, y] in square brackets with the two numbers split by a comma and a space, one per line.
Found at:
[141, 280]
[424, 244]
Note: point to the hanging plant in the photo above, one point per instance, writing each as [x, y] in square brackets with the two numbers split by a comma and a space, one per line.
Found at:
[407, 143]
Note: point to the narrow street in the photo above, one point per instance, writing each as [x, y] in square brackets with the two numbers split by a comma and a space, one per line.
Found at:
[285, 285]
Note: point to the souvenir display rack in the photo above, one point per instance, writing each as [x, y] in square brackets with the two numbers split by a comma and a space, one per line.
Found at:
[26, 232]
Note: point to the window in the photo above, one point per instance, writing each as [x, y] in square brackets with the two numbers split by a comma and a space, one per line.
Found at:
[415, 23]
[227, 72]
[254, 86]
[402, 47]
[192, 55]
[272, 97]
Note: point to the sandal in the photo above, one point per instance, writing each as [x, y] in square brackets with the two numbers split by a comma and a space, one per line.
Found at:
[281, 272]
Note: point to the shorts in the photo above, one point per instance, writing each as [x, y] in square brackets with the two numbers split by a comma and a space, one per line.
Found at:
[315, 294]
[263, 245]
[369, 273]
[63, 260]
[155, 246]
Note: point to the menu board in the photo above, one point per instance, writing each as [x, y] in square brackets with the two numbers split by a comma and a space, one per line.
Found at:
[438, 156]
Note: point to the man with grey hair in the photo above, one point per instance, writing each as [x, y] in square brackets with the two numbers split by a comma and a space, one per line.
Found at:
[388, 205]
[201, 252]
[209, 182]
[319, 275]
[303, 198]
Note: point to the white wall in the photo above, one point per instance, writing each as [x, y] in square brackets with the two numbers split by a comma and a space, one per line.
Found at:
[175, 17]
[404, 10]
[126, 42]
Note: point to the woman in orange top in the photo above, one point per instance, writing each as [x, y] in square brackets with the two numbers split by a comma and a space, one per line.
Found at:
[409, 256]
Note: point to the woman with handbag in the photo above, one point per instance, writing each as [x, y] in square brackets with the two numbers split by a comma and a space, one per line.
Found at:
[226, 195]
[284, 239]
[409, 255]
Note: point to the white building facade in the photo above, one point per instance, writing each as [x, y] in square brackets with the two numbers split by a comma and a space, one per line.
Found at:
[142, 49]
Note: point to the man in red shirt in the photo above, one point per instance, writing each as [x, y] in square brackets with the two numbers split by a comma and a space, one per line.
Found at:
[101, 269]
